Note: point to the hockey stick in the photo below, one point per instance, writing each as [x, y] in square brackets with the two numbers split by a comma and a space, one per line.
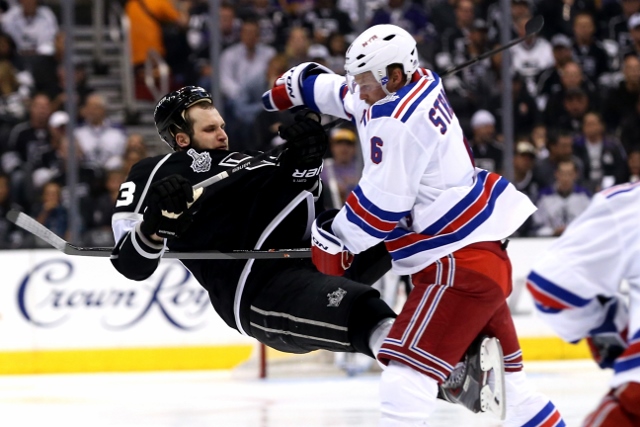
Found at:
[29, 224]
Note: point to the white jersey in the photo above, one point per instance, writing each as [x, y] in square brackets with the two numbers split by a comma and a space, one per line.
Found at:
[419, 191]
[596, 252]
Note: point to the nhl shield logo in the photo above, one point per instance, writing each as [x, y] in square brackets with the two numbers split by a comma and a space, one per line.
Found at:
[201, 161]
[335, 297]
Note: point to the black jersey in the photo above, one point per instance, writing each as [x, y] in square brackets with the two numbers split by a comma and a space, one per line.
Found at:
[261, 207]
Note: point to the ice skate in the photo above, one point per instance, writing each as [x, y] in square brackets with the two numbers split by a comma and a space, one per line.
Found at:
[477, 383]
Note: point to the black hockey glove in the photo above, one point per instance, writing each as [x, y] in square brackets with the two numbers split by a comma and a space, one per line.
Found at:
[306, 144]
[167, 214]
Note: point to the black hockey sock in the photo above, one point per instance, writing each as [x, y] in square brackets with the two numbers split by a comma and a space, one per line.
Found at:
[366, 313]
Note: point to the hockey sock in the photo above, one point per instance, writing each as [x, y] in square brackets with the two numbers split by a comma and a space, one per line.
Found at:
[366, 314]
[619, 408]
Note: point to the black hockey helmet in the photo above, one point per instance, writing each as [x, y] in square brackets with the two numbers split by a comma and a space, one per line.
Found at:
[169, 112]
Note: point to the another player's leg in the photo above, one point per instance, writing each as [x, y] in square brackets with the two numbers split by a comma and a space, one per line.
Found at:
[619, 408]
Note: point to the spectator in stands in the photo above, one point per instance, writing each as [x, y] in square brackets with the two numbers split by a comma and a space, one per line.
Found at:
[135, 141]
[523, 162]
[198, 35]
[54, 162]
[247, 105]
[443, 15]
[102, 144]
[13, 102]
[327, 19]
[560, 148]
[487, 152]
[82, 88]
[337, 46]
[525, 110]
[588, 51]
[297, 46]
[531, 57]
[240, 65]
[452, 39]
[633, 47]
[11, 236]
[98, 208]
[50, 212]
[9, 53]
[32, 27]
[539, 137]
[147, 17]
[342, 171]
[263, 12]
[291, 16]
[549, 81]
[562, 203]
[603, 158]
[623, 99]
[26, 146]
[632, 172]
[560, 14]
[131, 157]
[412, 17]
[575, 104]
[630, 129]
[618, 25]
[245, 61]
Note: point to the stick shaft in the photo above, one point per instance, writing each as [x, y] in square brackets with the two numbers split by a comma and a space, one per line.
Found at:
[29, 224]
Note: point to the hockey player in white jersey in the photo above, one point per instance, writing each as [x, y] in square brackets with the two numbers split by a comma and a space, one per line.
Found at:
[441, 218]
[576, 286]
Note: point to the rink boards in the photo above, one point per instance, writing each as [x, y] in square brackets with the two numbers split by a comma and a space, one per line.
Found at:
[77, 314]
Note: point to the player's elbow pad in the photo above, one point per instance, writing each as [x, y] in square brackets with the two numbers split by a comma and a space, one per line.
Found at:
[328, 253]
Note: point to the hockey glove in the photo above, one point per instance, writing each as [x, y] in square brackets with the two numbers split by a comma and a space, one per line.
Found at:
[287, 89]
[168, 201]
[606, 342]
[305, 146]
[328, 253]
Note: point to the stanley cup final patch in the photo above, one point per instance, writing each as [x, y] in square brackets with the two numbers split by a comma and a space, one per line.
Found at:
[201, 161]
[335, 297]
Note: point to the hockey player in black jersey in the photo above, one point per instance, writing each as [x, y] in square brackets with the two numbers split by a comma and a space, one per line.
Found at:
[286, 304]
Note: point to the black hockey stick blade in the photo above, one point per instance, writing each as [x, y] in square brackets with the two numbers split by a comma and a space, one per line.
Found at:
[29, 224]
[532, 27]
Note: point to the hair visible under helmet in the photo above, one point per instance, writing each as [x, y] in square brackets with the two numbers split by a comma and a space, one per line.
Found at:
[170, 112]
[377, 48]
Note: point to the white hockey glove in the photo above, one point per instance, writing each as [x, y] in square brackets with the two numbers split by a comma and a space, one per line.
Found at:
[287, 89]
[328, 253]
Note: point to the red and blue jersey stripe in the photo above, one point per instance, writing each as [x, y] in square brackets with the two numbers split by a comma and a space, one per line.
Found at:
[551, 298]
[371, 219]
[406, 100]
[456, 224]
[547, 417]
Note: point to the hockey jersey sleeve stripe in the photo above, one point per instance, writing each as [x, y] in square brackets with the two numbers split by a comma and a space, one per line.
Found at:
[307, 93]
[547, 417]
[403, 243]
[370, 218]
[548, 294]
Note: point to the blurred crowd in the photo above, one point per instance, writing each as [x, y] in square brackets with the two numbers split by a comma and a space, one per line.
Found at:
[576, 86]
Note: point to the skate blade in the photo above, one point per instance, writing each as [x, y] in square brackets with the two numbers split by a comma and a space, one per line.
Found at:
[492, 362]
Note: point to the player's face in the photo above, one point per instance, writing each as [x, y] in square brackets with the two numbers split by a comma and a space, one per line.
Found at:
[208, 130]
[370, 89]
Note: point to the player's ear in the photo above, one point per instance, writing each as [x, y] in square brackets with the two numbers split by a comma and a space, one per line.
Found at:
[183, 140]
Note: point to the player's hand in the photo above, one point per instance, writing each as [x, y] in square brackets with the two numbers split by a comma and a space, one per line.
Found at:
[168, 201]
[306, 142]
[328, 253]
[287, 89]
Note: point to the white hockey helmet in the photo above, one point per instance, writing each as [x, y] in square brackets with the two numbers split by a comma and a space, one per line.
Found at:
[381, 46]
